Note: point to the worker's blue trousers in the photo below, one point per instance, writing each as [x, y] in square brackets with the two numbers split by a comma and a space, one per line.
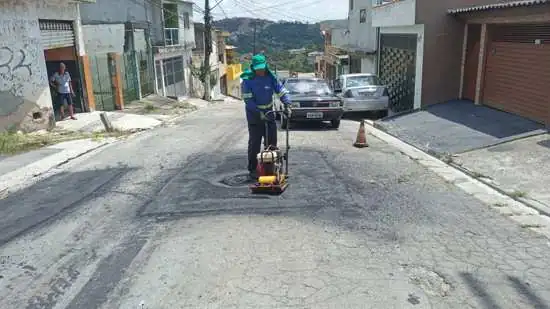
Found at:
[256, 131]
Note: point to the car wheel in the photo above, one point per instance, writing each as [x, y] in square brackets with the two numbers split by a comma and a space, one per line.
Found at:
[335, 123]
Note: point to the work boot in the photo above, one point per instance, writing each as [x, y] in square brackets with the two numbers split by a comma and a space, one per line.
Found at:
[253, 175]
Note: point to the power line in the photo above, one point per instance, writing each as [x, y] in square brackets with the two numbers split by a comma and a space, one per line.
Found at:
[288, 2]
[215, 5]
[270, 11]
[223, 11]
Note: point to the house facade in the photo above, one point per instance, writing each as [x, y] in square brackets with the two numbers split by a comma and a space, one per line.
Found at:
[217, 68]
[154, 39]
[402, 43]
[505, 57]
[172, 48]
[35, 36]
[487, 52]
[362, 40]
[234, 70]
[105, 31]
[335, 60]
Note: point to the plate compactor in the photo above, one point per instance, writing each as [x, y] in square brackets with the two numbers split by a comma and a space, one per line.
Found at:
[272, 167]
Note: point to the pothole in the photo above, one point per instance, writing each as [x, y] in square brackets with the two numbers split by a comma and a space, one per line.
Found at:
[235, 180]
[428, 280]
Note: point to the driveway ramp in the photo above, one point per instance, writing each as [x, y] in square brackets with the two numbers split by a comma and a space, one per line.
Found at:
[458, 126]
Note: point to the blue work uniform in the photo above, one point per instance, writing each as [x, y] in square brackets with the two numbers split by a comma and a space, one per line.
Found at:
[258, 92]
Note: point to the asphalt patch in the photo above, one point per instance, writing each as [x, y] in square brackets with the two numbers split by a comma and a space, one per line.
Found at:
[215, 185]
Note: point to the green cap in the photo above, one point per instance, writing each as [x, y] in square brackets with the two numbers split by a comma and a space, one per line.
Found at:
[259, 62]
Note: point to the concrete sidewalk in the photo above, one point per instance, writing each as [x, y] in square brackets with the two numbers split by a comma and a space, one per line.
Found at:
[151, 112]
[458, 126]
[526, 214]
[518, 168]
[148, 113]
[506, 152]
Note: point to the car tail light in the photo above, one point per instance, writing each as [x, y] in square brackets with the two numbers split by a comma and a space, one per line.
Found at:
[386, 93]
[348, 94]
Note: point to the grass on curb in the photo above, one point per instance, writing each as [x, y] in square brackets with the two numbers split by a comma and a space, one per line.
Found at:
[518, 194]
[149, 108]
[12, 143]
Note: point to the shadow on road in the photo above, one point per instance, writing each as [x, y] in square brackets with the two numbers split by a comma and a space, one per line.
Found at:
[325, 125]
[51, 198]
[363, 115]
[479, 289]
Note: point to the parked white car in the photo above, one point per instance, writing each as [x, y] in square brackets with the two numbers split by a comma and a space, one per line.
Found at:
[362, 92]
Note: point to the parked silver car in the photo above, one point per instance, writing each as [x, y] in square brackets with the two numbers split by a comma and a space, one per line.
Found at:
[362, 92]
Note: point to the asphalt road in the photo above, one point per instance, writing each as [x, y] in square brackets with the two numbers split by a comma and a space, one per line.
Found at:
[151, 221]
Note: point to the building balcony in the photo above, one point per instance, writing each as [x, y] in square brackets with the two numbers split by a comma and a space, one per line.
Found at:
[394, 13]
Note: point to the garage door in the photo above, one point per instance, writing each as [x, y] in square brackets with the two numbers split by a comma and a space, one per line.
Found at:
[517, 75]
[56, 33]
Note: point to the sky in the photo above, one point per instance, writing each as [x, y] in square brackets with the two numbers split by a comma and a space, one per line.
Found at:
[302, 10]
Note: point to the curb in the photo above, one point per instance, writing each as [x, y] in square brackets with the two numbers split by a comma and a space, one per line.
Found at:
[540, 207]
[18, 179]
[484, 191]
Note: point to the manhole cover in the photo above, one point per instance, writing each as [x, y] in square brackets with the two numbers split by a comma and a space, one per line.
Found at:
[235, 180]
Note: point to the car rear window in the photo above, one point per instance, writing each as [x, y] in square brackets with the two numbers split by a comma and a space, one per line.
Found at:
[311, 87]
[362, 81]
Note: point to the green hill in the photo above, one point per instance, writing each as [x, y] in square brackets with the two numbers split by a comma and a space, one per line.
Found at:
[275, 39]
[270, 35]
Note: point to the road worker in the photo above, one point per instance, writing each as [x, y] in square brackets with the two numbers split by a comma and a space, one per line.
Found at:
[258, 88]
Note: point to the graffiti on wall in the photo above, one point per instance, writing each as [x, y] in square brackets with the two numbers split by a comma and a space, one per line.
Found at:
[15, 60]
[20, 72]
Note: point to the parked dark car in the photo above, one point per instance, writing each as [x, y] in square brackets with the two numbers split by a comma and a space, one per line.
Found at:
[312, 100]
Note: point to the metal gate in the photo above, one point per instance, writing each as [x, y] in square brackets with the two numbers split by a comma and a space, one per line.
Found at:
[56, 33]
[102, 83]
[129, 71]
[146, 73]
[174, 77]
[397, 69]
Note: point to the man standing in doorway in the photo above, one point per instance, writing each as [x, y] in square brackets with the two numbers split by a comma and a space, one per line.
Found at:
[61, 81]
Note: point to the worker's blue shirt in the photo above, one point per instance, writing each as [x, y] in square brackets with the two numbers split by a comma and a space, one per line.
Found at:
[258, 95]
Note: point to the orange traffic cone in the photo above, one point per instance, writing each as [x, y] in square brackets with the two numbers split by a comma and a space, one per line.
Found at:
[361, 140]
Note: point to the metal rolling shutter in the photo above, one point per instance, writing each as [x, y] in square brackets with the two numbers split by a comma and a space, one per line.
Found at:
[518, 71]
[56, 34]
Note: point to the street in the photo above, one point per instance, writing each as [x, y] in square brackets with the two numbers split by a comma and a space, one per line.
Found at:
[164, 220]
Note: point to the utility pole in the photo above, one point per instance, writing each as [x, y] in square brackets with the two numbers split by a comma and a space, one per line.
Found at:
[207, 48]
